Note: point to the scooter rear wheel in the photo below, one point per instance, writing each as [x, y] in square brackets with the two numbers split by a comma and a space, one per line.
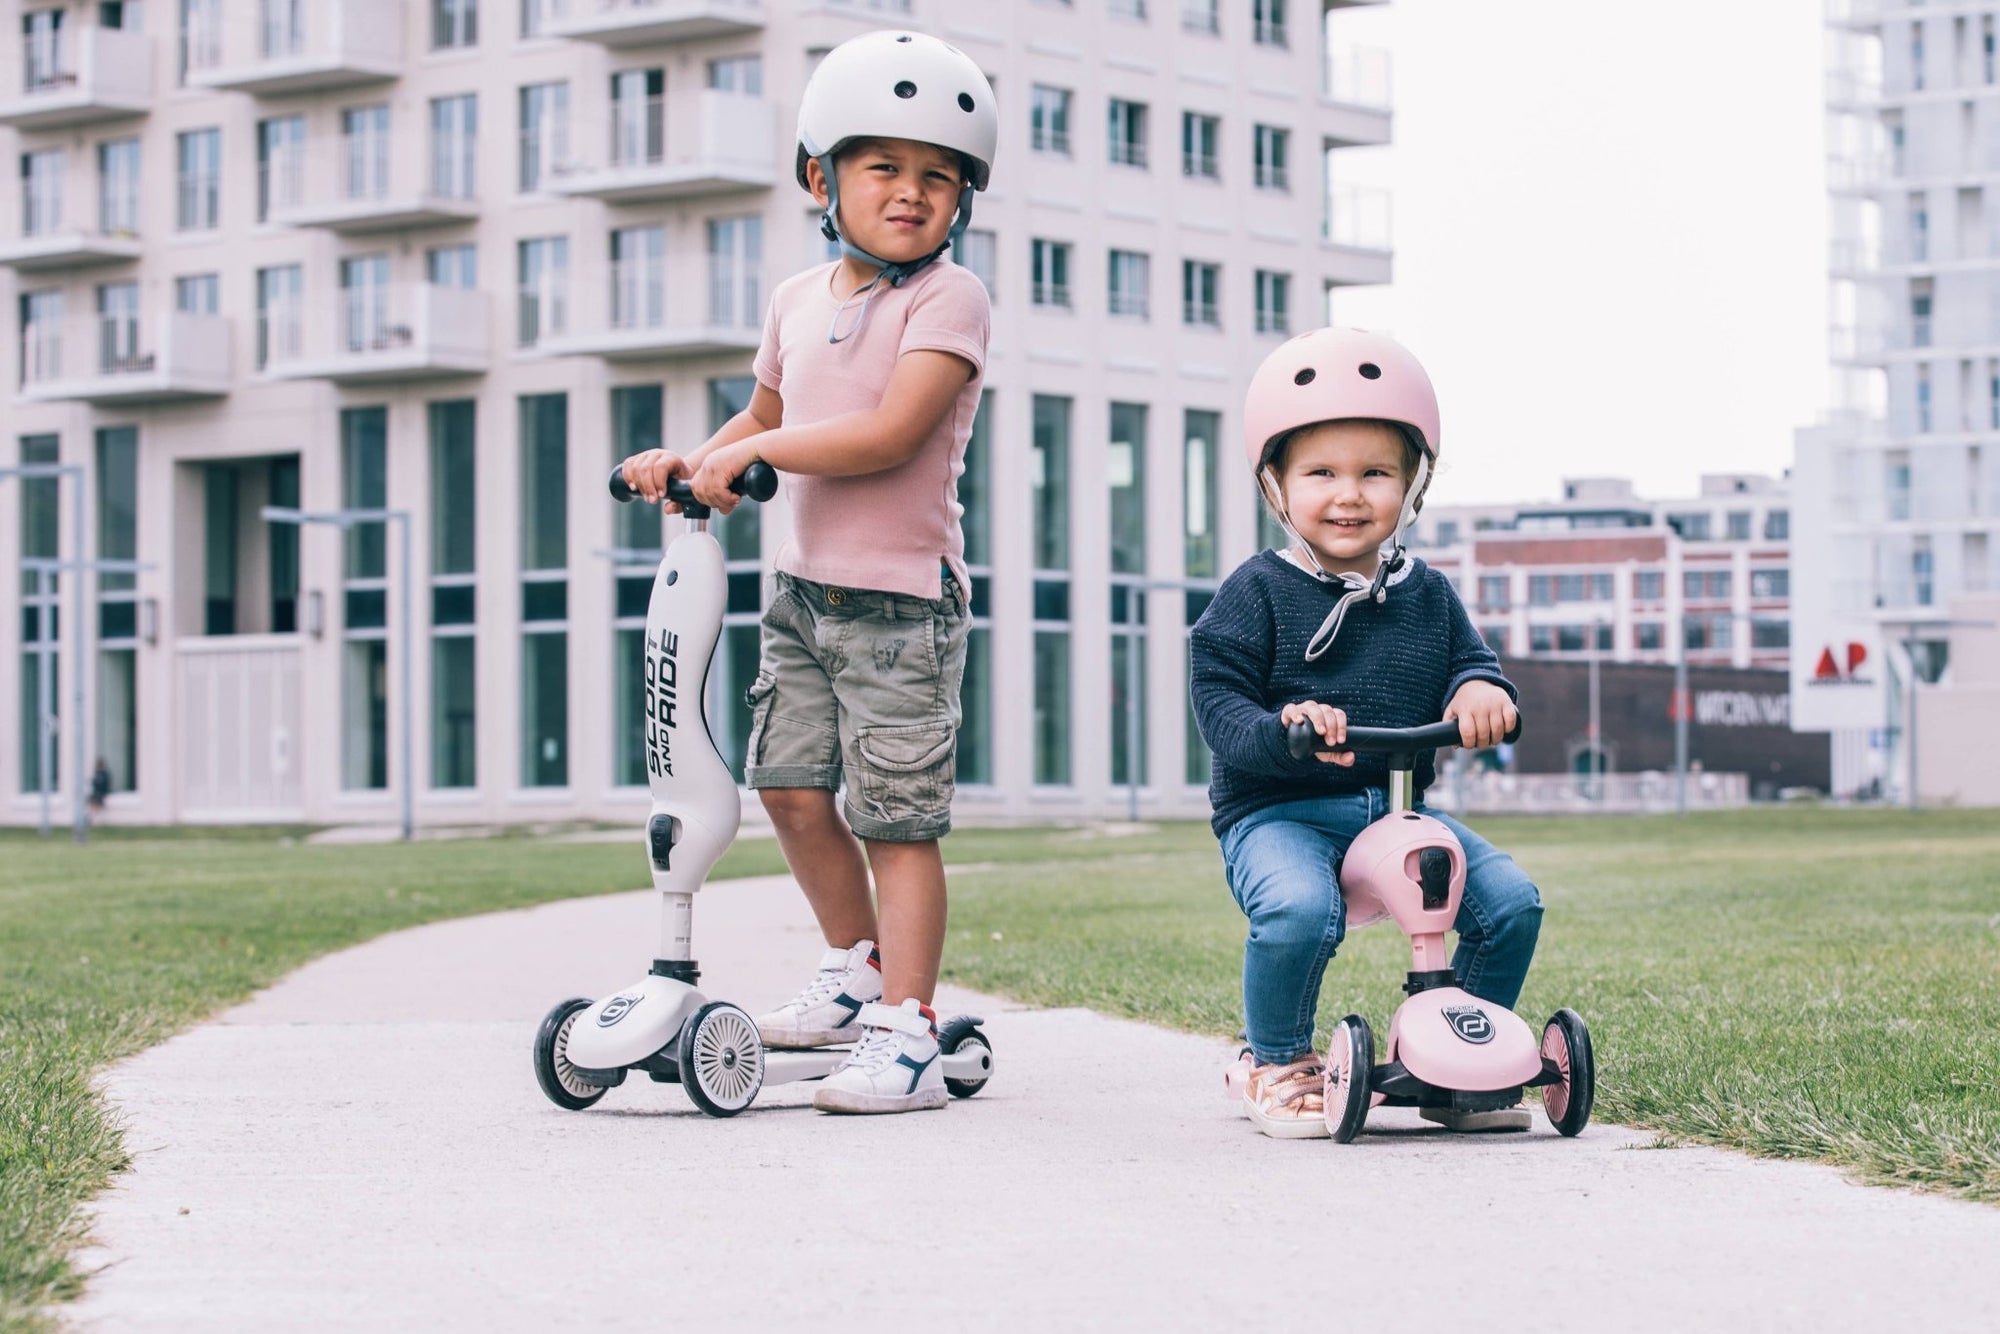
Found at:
[721, 1059]
[1566, 1041]
[963, 1031]
[1350, 1060]
[553, 1070]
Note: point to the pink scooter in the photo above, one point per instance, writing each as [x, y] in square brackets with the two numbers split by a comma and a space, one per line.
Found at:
[1447, 1048]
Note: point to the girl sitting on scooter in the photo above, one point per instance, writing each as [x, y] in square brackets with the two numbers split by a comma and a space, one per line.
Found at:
[1341, 431]
[867, 382]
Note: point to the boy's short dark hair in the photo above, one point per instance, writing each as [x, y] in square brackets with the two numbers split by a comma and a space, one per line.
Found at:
[1413, 454]
[964, 161]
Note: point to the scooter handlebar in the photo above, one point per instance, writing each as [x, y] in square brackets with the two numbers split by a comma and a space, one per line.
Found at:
[758, 482]
[1303, 739]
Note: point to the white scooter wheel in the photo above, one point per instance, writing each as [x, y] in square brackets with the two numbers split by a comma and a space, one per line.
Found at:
[553, 1070]
[963, 1031]
[721, 1059]
[1566, 1041]
[1350, 1060]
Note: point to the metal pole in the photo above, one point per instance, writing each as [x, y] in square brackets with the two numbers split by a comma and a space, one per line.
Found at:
[1910, 645]
[45, 702]
[1596, 748]
[404, 674]
[1681, 711]
[1132, 706]
[79, 728]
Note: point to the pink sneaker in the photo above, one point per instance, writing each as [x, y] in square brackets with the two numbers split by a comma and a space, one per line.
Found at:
[1288, 1101]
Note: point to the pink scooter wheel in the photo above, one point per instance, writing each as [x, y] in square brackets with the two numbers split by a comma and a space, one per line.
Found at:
[1350, 1061]
[1566, 1041]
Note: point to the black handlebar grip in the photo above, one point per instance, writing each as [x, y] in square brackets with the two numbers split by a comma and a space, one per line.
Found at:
[758, 482]
[1302, 739]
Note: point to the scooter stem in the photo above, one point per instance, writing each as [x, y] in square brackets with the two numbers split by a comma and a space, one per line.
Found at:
[1427, 953]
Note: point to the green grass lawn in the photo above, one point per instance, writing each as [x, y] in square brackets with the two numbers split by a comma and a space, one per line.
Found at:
[1800, 982]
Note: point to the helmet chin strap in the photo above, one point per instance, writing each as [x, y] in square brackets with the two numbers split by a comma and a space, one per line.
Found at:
[1359, 587]
[896, 273]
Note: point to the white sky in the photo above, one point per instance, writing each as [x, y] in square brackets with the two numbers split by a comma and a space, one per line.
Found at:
[1610, 233]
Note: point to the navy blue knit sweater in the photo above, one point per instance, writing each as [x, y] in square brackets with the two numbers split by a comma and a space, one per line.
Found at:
[1395, 663]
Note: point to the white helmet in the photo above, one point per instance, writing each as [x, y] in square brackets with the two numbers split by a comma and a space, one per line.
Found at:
[899, 85]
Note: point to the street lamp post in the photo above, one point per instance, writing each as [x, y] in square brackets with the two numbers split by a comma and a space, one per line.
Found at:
[80, 816]
[345, 519]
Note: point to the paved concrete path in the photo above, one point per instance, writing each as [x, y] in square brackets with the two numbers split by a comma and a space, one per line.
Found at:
[364, 1147]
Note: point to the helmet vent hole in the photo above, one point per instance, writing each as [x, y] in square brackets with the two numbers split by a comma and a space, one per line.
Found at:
[965, 101]
[906, 89]
[1370, 371]
[1306, 376]
[902, 37]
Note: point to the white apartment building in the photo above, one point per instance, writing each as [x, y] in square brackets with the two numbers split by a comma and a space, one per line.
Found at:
[1603, 572]
[1898, 493]
[453, 258]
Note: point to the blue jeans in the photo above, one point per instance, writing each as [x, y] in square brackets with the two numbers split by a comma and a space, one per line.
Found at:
[1283, 864]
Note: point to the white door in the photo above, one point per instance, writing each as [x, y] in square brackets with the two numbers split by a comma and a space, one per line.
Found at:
[238, 728]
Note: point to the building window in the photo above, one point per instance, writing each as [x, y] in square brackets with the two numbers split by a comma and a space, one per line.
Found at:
[536, 15]
[454, 558]
[635, 427]
[736, 271]
[118, 327]
[281, 146]
[1691, 527]
[200, 45]
[544, 590]
[1049, 541]
[364, 303]
[118, 187]
[544, 290]
[1267, 23]
[454, 23]
[46, 63]
[1778, 526]
[284, 29]
[1128, 9]
[975, 495]
[1199, 136]
[1125, 468]
[41, 191]
[1924, 398]
[198, 204]
[198, 293]
[364, 692]
[1766, 633]
[1649, 585]
[279, 310]
[1738, 525]
[1896, 469]
[638, 117]
[544, 132]
[1048, 119]
[1774, 583]
[1274, 302]
[1920, 312]
[1201, 16]
[1709, 585]
[638, 277]
[1201, 283]
[1051, 273]
[1922, 568]
[1130, 284]
[1648, 636]
[454, 145]
[1495, 592]
[118, 606]
[41, 668]
[979, 252]
[1272, 155]
[1128, 132]
[737, 74]
[452, 266]
[364, 137]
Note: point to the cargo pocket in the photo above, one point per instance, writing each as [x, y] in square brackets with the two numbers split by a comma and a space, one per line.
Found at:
[758, 697]
[906, 772]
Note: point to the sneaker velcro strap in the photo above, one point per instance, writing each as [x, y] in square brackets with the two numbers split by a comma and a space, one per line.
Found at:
[833, 960]
[877, 1015]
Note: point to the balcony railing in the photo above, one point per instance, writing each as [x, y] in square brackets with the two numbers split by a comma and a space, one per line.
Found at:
[1051, 294]
[295, 46]
[655, 309]
[124, 359]
[379, 334]
[358, 184]
[618, 23]
[1200, 16]
[90, 75]
[678, 147]
[59, 248]
[1358, 217]
[1358, 76]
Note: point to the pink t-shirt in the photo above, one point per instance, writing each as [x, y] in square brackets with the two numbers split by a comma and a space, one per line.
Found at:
[891, 529]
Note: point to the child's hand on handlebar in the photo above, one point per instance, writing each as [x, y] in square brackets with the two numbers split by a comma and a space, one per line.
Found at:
[710, 482]
[1328, 721]
[649, 472]
[1484, 714]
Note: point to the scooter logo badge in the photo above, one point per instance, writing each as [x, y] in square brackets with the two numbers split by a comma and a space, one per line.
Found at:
[617, 1008]
[1470, 1023]
[663, 671]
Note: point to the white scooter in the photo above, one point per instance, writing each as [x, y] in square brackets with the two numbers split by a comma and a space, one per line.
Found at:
[661, 1024]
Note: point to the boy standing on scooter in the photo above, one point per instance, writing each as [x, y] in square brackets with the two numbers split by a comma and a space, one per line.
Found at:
[1341, 431]
[867, 383]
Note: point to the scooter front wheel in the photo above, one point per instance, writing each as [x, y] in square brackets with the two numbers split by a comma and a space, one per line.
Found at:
[963, 1032]
[553, 1070]
[1566, 1041]
[721, 1059]
[1350, 1060]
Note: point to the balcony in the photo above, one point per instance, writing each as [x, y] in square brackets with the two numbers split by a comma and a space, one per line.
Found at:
[61, 250]
[1355, 97]
[1859, 15]
[91, 75]
[415, 331]
[333, 44]
[627, 23]
[677, 147]
[117, 360]
[349, 186]
[1356, 235]
[636, 312]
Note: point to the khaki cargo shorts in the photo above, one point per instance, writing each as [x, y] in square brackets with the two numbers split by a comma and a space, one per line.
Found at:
[863, 685]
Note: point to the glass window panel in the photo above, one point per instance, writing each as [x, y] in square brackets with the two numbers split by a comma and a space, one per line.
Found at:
[1126, 468]
[975, 732]
[544, 710]
[364, 457]
[635, 427]
[454, 712]
[118, 715]
[1052, 729]
[544, 483]
[364, 751]
[975, 486]
[1048, 468]
[545, 600]
[454, 470]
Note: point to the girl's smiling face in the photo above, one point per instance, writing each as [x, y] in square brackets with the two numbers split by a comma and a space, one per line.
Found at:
[1343, 484]
[897, 196]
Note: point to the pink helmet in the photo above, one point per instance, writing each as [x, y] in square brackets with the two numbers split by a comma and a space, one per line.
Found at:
[1329, 374]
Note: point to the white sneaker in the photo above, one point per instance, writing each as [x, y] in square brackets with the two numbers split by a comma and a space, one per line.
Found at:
[894, 1069]
[824, 1013]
